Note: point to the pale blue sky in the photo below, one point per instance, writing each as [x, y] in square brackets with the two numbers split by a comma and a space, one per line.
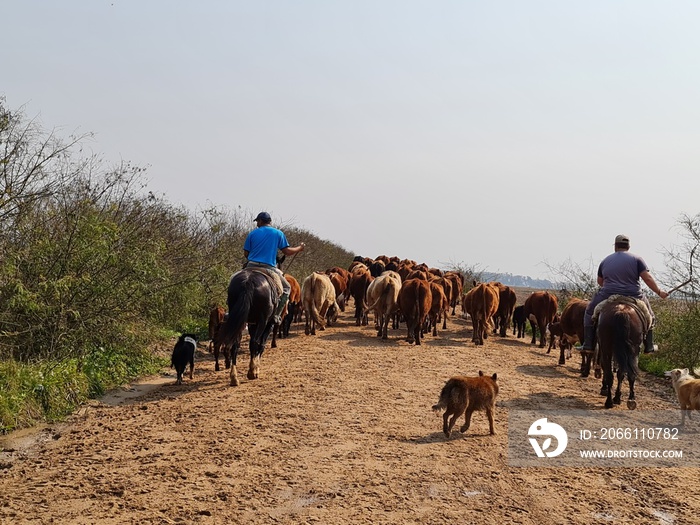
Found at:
[499, 133]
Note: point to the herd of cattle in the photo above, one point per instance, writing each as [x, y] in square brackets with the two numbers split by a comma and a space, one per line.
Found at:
[422, 297]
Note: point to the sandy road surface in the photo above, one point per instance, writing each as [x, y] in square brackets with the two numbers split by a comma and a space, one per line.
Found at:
[338, 429]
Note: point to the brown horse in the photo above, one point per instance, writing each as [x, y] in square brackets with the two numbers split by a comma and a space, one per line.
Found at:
[620, 334]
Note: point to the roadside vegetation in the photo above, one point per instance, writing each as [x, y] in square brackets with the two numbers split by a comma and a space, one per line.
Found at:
[96, 271]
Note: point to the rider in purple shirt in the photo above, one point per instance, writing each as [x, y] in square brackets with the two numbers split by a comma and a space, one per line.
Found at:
[619, 274]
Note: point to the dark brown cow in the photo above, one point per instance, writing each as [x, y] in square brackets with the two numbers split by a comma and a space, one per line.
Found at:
[377, 268]
[457, 280]
[556, 334]
[360, 278]
[572, 329]
[540, 309]
[340, 283]
[439, 307]
[415, 299]
[290, 309]
[482, 304]
[519, 321]
[506, 305]
[217, 317]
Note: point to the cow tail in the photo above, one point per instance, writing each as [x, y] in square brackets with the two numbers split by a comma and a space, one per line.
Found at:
[382, 296]
[320, 321]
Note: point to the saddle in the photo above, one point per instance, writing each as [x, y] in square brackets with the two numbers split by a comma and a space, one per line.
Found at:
[272, 276]
[639, 306]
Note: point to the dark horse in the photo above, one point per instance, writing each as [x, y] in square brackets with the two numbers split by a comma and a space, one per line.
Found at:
[620, 333]
[252, 299]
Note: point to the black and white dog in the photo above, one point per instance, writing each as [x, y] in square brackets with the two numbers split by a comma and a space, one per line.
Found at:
[183, 353]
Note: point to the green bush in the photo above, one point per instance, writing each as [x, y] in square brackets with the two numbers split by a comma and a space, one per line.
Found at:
[678, 331]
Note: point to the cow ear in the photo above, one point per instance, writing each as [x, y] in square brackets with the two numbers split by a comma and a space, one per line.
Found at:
[494, 377]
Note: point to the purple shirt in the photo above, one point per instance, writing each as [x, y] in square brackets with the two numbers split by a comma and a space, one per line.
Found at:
[620, 272]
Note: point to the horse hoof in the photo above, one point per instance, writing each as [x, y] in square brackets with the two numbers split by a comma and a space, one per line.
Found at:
[598, 374]
[616, 401]
[562, 361]
[608, 404]
[217, 367]
[235, 382]
[631, 404]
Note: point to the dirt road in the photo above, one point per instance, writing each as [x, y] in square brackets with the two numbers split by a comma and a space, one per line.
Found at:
[337, 430]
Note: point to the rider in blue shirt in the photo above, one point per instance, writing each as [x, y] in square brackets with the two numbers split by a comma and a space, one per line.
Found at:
[619, 274]
[260, 249]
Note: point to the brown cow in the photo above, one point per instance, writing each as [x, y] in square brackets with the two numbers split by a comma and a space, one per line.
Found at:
[482, 305]
[506, 305]
[360, 278]
[457, 280]
[217, 315]
[383, 297]
[415, 299]
[290, 309]
[540, 308]
[439, 307]
[320, 306]
[572, 329]
[340, 283]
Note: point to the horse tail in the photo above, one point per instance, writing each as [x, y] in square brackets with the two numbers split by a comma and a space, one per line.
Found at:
[624, 352]
[240, 298]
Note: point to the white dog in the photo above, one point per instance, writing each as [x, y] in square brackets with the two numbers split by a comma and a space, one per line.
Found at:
[687, 389]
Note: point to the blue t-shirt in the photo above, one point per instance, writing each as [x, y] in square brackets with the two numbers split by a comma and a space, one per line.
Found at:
[262, 244]
[620, 272]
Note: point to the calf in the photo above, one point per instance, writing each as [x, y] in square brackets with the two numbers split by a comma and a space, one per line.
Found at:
[183, 353]
[464, 395]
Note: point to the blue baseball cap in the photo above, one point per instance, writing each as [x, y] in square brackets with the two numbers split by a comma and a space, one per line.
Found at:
[263, 216]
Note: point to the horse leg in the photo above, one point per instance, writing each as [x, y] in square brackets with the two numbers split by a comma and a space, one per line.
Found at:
[607, 386]
[233, 373]
[562, 358]
[585, 364]
[618, 390]
[534, 332]
[254, 364]
[631, 403]
[217, 348]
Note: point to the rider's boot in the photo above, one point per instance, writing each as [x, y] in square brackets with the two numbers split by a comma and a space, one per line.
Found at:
[588, 338]
[649, 346]
[280, 306]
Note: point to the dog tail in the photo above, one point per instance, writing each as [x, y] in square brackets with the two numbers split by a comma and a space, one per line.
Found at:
[442, 402]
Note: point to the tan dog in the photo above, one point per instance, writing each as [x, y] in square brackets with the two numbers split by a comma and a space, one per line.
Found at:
[687, 389]
[467, 394]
